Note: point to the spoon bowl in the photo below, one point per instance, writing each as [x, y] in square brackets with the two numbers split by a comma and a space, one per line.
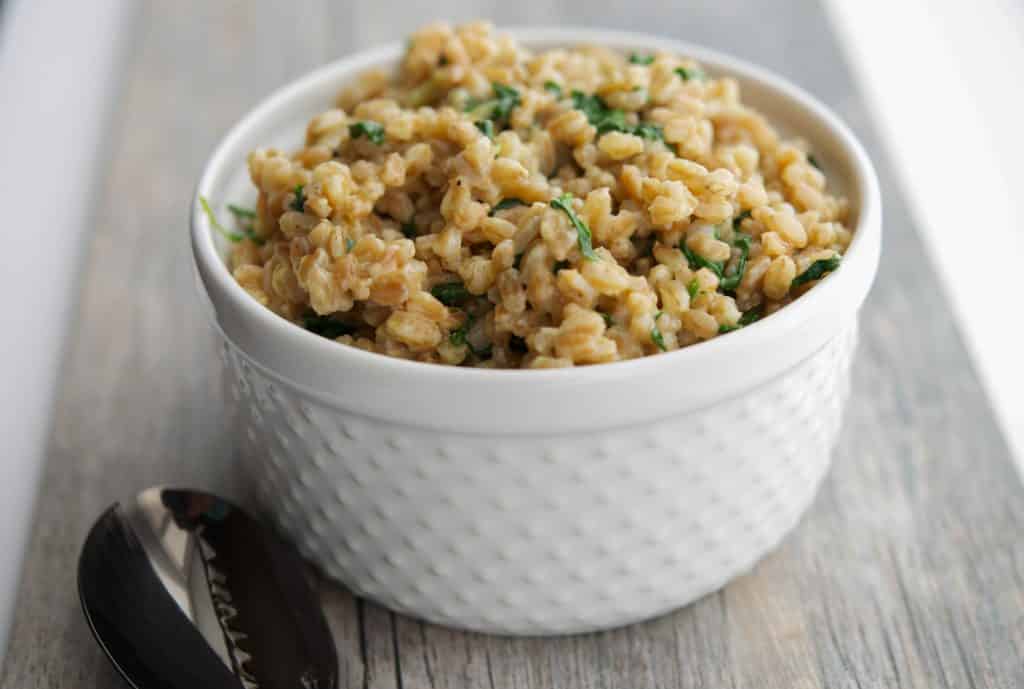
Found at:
[182, 589]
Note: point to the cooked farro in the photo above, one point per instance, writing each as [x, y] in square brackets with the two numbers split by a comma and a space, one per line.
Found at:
[489, 206]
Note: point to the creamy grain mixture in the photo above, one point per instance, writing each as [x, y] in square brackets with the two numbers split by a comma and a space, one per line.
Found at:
[485, 205]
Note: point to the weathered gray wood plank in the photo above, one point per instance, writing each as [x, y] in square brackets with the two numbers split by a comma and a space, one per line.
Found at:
[908, 572]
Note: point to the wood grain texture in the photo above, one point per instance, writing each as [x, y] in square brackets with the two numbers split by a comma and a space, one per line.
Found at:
[907, 572]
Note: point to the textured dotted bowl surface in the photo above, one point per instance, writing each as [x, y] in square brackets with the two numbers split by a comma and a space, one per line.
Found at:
[537, 502]
[542, 535]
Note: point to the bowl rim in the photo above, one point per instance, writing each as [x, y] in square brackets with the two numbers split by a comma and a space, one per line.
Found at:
[859, 261]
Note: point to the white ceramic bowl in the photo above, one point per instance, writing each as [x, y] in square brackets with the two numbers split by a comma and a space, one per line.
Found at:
[541, 502]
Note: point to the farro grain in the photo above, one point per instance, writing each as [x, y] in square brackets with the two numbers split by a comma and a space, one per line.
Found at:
[397, 190]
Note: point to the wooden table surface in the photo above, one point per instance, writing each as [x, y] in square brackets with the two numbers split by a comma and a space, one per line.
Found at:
[907, 572]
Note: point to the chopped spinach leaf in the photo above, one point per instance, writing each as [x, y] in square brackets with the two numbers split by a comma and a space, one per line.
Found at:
[690, 73]
[371, 130]
[505, 204]
[649, 131]
[247, 231]
[607, 119]
[583, 236]
[325, 326]
[300, 199]
[816, 271]
[593, 107]
[722, 329]
[729, 283]
[507, 98]
[215, 223]
[613, 121]
[497, 108]
[697, 261]
[458, 336]
[693, 287]
[598, 113]
[240, 213]
[656, 335]
[486, 127]
[813, 161]
[554, 88]
[450, 293]
[637, 59]
[608, 320]
[751, 316]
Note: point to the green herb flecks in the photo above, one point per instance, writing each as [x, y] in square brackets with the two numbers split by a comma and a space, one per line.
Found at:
[497, 108]
[460, 337]
[697, 261]
[607, 119]
[245, 219]
[505, 204]
[816, 271]
[638, 59]
[299, 202]
[241, 215]
[553, 88]
[730, 282]
[349, 244]
[450, 293]
[325, 326]
[656, 335]
[691, 73]
[371, 130]
[751, 316]
[604, 118]
[608, 320]
[583, 236]
[738, 220]
[215, 223]
[486, 127]
[748, 317]
[693, 288]
[813, 161]
[649, 131]
[593, 107]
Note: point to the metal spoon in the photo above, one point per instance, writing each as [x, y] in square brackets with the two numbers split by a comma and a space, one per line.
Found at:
[184, 590]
